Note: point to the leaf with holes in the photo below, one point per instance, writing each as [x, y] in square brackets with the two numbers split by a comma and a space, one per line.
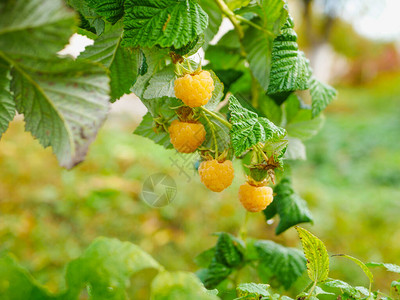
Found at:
[316, 254]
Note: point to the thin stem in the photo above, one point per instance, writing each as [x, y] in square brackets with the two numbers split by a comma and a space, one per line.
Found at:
[212, 133]
[259, 149]
[231, 16]
[215, 116]
[312, 290]
[244, 20]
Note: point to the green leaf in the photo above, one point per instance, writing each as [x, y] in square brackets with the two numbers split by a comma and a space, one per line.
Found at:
[191, 48]
[316, 254]
[123, 63]
[64, 103]
[7, 104]
[273, 133]
[214, 274]
[258, 46]
[221, 132]
[300, 122]
[149, 129]
[154, 61]
[283, 263]
[156, 122]
[214, 20]
[292, 209]
[344, 287]
[91, 22]
[270, 109]
[16, 283]
[111, 10]
[246, 130]
[106, 266]
[289, 68]
[259, 43]
[217, 94]
[161, 83]
[34, 28]
[204, 258]
[295, 150]
[255, 290]
[389, 267]
[360, 264]
[222, 57]
[165, 23]
[227, 250]
[235, 4]
[321, 95]
[179, 285]
[274, 15]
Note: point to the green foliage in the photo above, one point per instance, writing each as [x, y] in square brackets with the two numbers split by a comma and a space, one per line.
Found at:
[111, 10]
[389, 267]
[16, 283]
[7, 105]
[179, 285]
[161, 84]
[64, 102]
[164, 23]
[248, 129]
[289, 69]
[360, 264]
[316, 254]
[277, 262]
[90, 22]
[123, 63]
[104, 269]
[321, 95]
[227, 255]
[258, 42]
[248, 290]
[290, 207]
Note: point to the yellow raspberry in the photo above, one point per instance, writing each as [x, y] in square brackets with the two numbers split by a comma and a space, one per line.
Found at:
[186, 137]
[194, 90]
[216, 175]
[255, 198]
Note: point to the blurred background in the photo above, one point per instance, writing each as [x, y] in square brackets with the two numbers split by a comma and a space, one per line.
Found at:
[351, 179]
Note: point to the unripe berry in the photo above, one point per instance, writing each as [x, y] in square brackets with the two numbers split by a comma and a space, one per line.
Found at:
[216, 175]
[255, 198]
[186, 137]
[194, 90]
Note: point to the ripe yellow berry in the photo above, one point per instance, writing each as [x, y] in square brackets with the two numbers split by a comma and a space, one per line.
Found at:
[186, 137]
[194, 90]
[216, 175]
[255, 198]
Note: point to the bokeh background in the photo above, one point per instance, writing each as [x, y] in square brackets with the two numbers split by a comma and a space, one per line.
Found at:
[351, 179]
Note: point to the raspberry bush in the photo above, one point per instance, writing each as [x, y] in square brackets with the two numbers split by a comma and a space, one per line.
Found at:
[238, 106]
